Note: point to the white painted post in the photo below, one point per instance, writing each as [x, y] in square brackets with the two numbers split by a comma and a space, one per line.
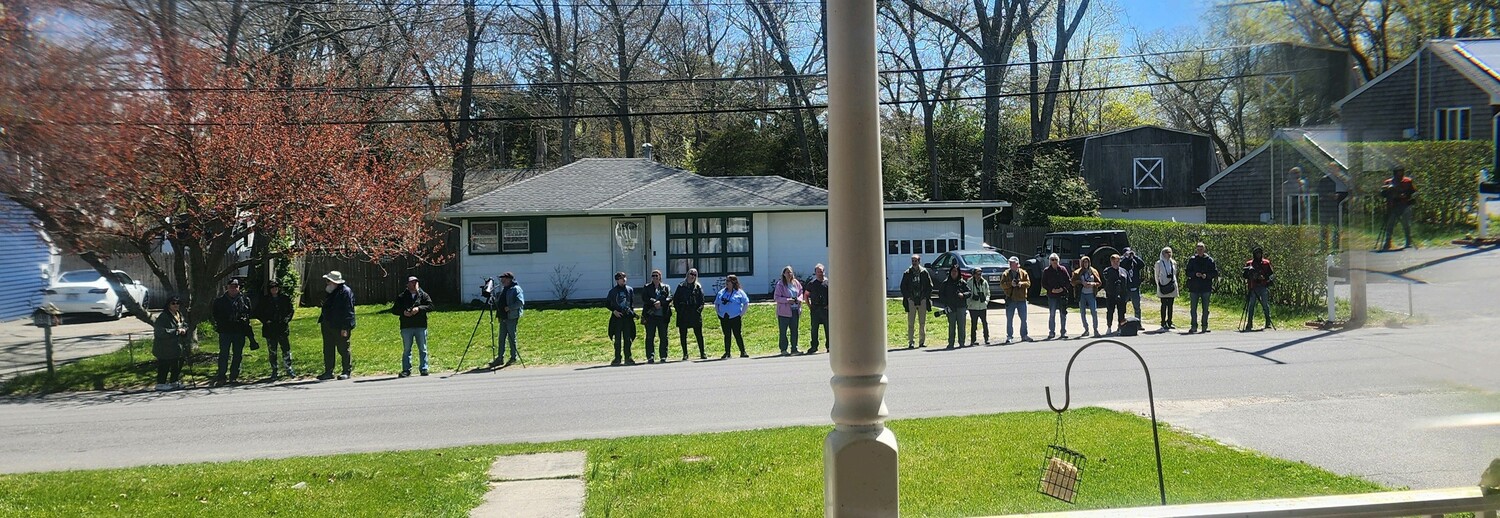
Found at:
[1482, 210]
[859, 455]
[1332, 300]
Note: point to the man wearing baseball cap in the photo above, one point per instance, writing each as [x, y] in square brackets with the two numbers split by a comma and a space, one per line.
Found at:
[275, 311]
[231, 312]
[337, 323]
[412, 306]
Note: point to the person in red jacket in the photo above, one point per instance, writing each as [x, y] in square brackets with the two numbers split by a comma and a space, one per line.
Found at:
[1400, 193]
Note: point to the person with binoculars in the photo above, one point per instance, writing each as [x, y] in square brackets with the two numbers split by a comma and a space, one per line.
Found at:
[952, 294]
[979, 306]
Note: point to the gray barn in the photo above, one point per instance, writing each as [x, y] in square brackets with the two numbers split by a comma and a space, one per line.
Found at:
[1145, 172]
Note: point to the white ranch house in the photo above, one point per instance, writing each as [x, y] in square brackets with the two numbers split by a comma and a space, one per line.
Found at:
[598, 216]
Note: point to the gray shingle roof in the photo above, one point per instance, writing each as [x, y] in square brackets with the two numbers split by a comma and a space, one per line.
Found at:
[629, 185]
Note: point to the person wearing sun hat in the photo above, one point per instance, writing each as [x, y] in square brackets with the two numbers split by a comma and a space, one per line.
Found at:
[337, 323]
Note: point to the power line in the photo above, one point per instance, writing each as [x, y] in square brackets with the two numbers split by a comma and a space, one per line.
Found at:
[668, 80]
[545, 3]
[764, 109]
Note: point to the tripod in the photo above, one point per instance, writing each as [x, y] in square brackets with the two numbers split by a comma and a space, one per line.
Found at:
[487, 311]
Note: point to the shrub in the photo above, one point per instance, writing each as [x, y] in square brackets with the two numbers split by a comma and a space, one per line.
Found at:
[1296, 252]
[1445, 173]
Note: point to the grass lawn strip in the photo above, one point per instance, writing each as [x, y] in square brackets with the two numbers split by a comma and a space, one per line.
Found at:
[546, 336]
[951, 466]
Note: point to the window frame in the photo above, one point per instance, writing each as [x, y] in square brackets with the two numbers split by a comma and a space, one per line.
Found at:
[696, 236]
[1157, 175]
[1447, 121]
[536, 235]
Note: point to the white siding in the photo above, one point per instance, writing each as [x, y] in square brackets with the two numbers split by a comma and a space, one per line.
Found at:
[932, 224]
[799, 239]
[582, 242]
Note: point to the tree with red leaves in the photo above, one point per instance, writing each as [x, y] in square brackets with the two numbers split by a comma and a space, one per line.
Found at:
[200, 162]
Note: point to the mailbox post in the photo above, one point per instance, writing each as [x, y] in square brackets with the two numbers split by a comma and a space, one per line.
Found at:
[45, 317]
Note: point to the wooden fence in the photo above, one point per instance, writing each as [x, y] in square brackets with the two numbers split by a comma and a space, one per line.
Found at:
[378, 283]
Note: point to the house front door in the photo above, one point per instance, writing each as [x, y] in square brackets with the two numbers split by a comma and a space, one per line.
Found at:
[632, 248]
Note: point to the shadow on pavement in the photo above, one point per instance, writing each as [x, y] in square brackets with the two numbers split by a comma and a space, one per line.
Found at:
[1262, 354]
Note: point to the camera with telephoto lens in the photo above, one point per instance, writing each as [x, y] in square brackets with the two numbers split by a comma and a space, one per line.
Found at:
[939, 312]
[486, 288]
[1248, 272]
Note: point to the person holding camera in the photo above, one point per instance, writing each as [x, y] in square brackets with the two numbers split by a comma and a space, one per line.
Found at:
[688, 301]
[1057, 281]
[788, 295]
[979, 306]
[275, 312]
[1132, 267]
[337, 324]
[1118, 290]
[1258, 276]
[1201, 272]
[170, 345]
[1400, 194]
[411, 308]
[730, 304]
[509, 305]
[656, 303]
[1087, 280]
[916, 295]
[953, 294]
[231, 312]
[1166, 285]
[1015, 284]
[621, 304]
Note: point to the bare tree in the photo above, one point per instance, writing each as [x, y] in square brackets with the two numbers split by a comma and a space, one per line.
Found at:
[1044, 100]
[628, 42]
[929, 94]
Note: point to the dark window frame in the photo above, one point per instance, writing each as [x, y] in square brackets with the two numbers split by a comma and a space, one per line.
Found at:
[696, 256]
[536, 238]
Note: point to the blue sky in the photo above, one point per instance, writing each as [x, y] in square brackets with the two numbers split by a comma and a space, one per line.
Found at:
[1147, 16]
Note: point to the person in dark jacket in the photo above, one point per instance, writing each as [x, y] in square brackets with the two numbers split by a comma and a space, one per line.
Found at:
[1058, 282]
[1201, 272]
[621, 304]
[412, 306]
[953, 294]
[656, 306]
[816, 293]
[337, 323]
[1259, 284]
[688, 300]
[1132, 267]
[231, 313]
[509, 306]
[275, 312]
[916, 295]
[169, 346]
[1117, 288]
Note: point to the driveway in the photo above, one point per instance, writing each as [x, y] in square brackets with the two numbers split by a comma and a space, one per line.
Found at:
[22, 348]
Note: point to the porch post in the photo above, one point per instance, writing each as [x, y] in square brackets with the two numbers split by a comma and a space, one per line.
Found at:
[859, 456]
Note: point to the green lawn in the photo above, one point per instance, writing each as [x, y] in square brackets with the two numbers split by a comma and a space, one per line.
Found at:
[952, 466]
[547, 337]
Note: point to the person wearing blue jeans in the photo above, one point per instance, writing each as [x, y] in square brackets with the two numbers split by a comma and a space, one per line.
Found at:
[412, 306]
[1260, 279]
[1014, 284]
[1131, 266]
[1057, 281]
[231, 313]
[1201, 272]
[788, 294]
[1088, 281]
[510, 303]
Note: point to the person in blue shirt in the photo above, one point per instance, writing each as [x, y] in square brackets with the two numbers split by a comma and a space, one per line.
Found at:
[508, 307]
[730, 304]
[621, 304]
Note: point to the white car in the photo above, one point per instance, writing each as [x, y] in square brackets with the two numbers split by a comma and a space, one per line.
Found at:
[85, 291]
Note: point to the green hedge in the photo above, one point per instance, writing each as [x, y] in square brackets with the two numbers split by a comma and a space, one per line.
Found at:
[1297, 253]
[1445, 173]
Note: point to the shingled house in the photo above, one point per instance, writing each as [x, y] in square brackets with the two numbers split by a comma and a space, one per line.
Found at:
[597, 216]
[1298, 176]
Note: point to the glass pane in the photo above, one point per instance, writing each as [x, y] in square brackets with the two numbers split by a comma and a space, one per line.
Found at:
[680, 226]
[515, 236]
[710, 245]
[905, 247]
[679, 267]
[484, 238]
[680, 246]
[710, 266]
[737, 245]
[893, 247]
[930, 246]
[942, 245]
[738, 224]
[739, 264]
[710, 226]
[953, 244]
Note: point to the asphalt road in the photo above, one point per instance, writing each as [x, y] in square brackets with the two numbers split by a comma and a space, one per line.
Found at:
[1407, 407]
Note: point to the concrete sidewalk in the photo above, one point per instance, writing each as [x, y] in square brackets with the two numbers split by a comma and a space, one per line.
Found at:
[22, 348]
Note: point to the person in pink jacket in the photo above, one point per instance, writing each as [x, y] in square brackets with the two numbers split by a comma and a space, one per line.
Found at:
[788, 295]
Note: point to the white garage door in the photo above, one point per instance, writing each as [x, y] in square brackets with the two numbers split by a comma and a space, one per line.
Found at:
[925, 238]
